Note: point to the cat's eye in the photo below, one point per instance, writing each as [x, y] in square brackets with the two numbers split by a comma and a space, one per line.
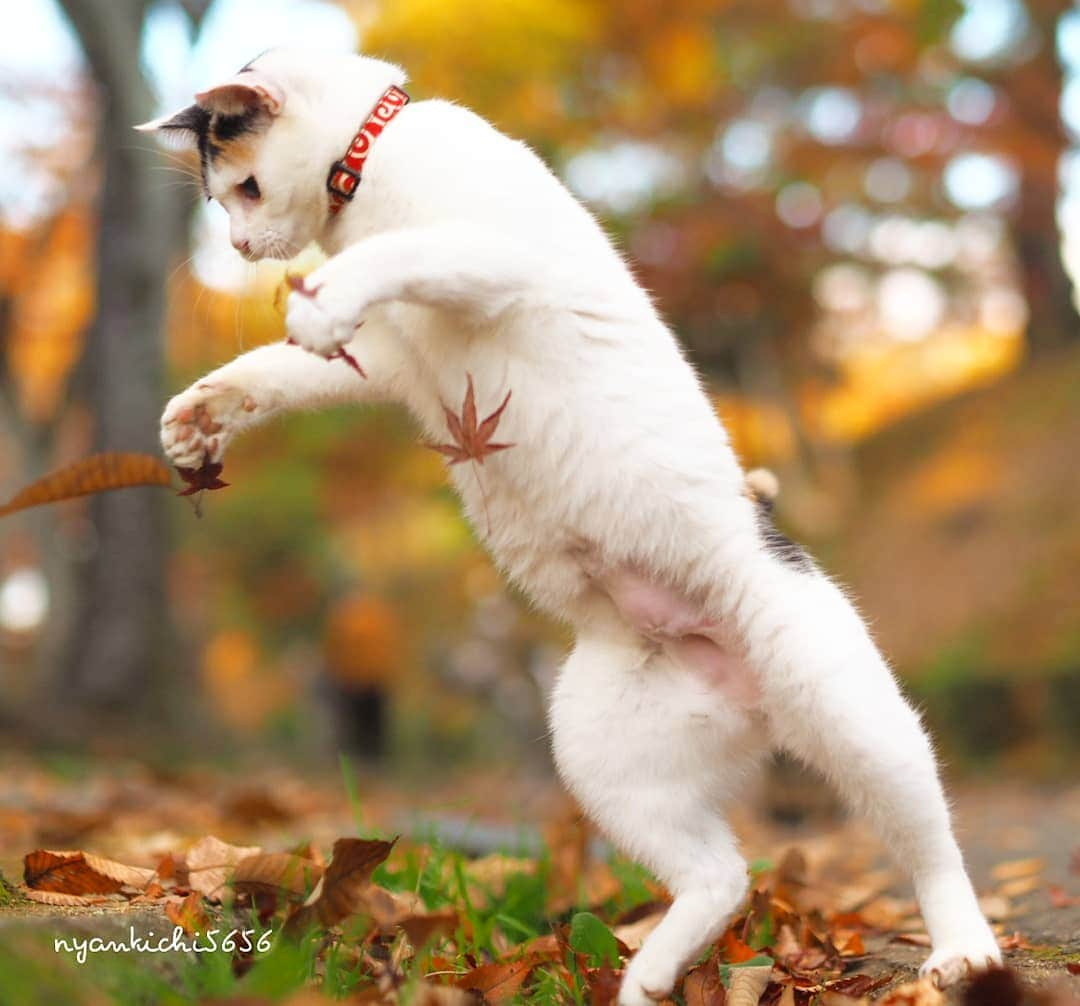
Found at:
[250, 188]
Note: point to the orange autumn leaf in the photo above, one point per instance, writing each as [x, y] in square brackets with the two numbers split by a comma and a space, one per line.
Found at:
[735, 950]
[472, 439]
[499, 982]
[80, 873]
[189, 914]
[95, 474]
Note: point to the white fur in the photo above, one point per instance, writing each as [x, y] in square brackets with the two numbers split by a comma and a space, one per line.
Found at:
[621, 508]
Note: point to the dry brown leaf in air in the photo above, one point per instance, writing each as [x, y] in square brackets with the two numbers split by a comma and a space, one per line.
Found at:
[80, 873]
[95, 474]
[343, 887]
[210, 861]
[748, 985]
[189, 914]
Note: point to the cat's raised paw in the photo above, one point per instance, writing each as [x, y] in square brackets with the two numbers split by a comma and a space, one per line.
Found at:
[198, 423]
[948, 965]
[314, 326]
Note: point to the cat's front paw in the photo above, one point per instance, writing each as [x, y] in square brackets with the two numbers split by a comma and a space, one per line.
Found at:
[199, 422]
[315, 323]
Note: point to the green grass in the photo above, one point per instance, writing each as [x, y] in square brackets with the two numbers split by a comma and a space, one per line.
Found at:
[33, 972]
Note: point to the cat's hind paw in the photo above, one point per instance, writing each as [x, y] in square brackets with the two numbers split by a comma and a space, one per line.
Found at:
[950, 965]
[647, 981]
[198, 423]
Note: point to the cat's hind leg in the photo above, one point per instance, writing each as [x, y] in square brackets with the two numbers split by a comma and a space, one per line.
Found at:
[650, 751]
[833, 702]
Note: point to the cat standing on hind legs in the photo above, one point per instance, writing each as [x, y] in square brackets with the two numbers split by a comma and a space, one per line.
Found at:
[619, 505]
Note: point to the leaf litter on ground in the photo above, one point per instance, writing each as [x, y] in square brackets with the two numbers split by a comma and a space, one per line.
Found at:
[403, 921]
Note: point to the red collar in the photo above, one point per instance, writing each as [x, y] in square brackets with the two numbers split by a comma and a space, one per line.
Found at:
[344, 177]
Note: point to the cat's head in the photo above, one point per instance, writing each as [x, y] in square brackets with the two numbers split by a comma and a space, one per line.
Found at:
[266, 139]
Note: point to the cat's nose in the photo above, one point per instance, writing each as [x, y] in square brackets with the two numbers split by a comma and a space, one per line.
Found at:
[244, 247]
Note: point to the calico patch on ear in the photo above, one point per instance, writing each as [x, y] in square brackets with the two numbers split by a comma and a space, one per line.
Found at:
[183, 130]
[247, 91]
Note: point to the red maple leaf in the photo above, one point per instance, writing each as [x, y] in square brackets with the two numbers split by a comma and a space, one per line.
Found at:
[298, 285]
[206, 476]
[472, 440]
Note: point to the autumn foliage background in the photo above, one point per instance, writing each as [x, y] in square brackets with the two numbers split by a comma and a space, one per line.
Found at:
[855, 213]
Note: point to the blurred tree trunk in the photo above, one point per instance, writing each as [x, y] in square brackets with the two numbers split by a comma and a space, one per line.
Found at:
[120, 629]
[1034, 89]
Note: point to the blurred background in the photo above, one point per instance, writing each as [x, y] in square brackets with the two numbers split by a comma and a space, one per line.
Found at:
[858, 215]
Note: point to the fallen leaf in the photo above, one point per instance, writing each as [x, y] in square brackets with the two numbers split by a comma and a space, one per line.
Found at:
[633, 933]
[189, 914]
[1013, 941]
[255, 806]
[80, 873]
[95, 474]
[703, 986]
[210, 861]
[276, 873]
[1020, 886]
[735, 950]
[995, 907]
[154, 891]
[1013, 868]
[1059, 898]
[603, 985]
[858, 986]
[1073, 967]
[913, 939]
[918, 993]
[471, 440]
[166, 869]
[340, 893]
[498, 982]
[747, 985]
[421, 929]
[66, 900]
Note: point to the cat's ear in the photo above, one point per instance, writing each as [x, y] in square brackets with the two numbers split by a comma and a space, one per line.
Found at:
[182, 129]
[247, 91]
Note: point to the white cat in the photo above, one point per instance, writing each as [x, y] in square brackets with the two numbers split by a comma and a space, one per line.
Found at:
[703, 637]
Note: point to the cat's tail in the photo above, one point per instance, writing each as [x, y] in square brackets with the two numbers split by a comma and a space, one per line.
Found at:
[763, 487]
